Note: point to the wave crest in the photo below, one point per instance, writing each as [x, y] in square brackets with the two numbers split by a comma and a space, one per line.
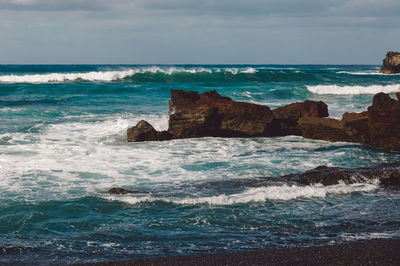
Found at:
[261, 194]
[107, 76]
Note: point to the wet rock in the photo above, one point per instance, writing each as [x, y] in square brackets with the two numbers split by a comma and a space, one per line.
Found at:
[391, 63]
[286, 118]
[388, 174]
[384, 122]
[143, 131]
[121, 191]
[209, 114]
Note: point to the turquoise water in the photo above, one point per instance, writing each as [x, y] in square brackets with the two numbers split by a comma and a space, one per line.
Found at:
[62, 146]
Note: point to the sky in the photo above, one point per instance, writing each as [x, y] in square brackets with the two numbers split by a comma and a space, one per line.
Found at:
[198, 31]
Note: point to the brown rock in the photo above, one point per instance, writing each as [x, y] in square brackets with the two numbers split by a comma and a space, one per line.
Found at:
[143, 131]
[286, 118]
[384, 122]
[209, 114]
[391, 63]
[352, 128]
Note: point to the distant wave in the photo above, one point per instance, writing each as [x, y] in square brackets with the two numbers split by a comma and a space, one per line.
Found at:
[335, 89]
[262, 194]
[107, 76]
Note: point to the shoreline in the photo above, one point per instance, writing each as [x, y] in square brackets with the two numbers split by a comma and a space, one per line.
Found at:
[371, 252]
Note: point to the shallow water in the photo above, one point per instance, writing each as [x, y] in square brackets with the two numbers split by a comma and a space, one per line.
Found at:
[62, 146]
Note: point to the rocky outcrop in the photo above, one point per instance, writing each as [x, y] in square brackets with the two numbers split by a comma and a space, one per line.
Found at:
[209, 114]
[388, 174]
[194, 115]
[391, 63]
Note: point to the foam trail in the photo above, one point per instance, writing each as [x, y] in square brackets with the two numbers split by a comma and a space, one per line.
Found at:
[261, 194]
[352, 90]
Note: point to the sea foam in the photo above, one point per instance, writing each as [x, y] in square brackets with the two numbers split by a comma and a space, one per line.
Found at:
[352, 90]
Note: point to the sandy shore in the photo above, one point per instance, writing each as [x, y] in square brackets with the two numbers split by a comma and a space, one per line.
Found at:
[374, 252]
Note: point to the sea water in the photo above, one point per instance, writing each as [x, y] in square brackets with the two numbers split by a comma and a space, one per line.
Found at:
[63, 145]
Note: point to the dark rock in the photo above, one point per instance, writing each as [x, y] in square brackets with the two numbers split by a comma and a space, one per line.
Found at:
[391, 63]
[387, 173]
[121, 191]
[286, 118]
[384, 122]
[209, 114]
[143, 131]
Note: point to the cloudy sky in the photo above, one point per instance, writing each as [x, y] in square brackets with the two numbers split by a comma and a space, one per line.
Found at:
[198, 31]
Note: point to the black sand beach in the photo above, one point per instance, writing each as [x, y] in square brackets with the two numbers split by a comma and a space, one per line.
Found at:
[374, 252]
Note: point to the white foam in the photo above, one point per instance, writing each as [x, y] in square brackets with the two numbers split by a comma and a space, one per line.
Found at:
[261, 194]
[352, 90]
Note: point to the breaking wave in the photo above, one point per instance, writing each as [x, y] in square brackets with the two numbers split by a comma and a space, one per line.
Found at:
[108, 76]
[261, 194]
[335, 89]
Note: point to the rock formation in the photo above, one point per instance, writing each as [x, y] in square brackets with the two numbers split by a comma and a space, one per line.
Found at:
[391, 63]
[194, 115]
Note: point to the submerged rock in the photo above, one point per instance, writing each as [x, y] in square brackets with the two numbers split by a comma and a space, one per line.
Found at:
[391, 63]
[143, 131]
[388, 174]
[120, 191]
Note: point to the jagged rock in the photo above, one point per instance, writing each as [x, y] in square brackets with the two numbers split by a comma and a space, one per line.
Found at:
[143, 131]
[391, 63]
[388, 174]
[384, 122]
[286, 118]
[209, 114]
[121, 191]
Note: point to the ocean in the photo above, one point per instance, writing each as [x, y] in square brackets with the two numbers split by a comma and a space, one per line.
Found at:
[63, 145]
